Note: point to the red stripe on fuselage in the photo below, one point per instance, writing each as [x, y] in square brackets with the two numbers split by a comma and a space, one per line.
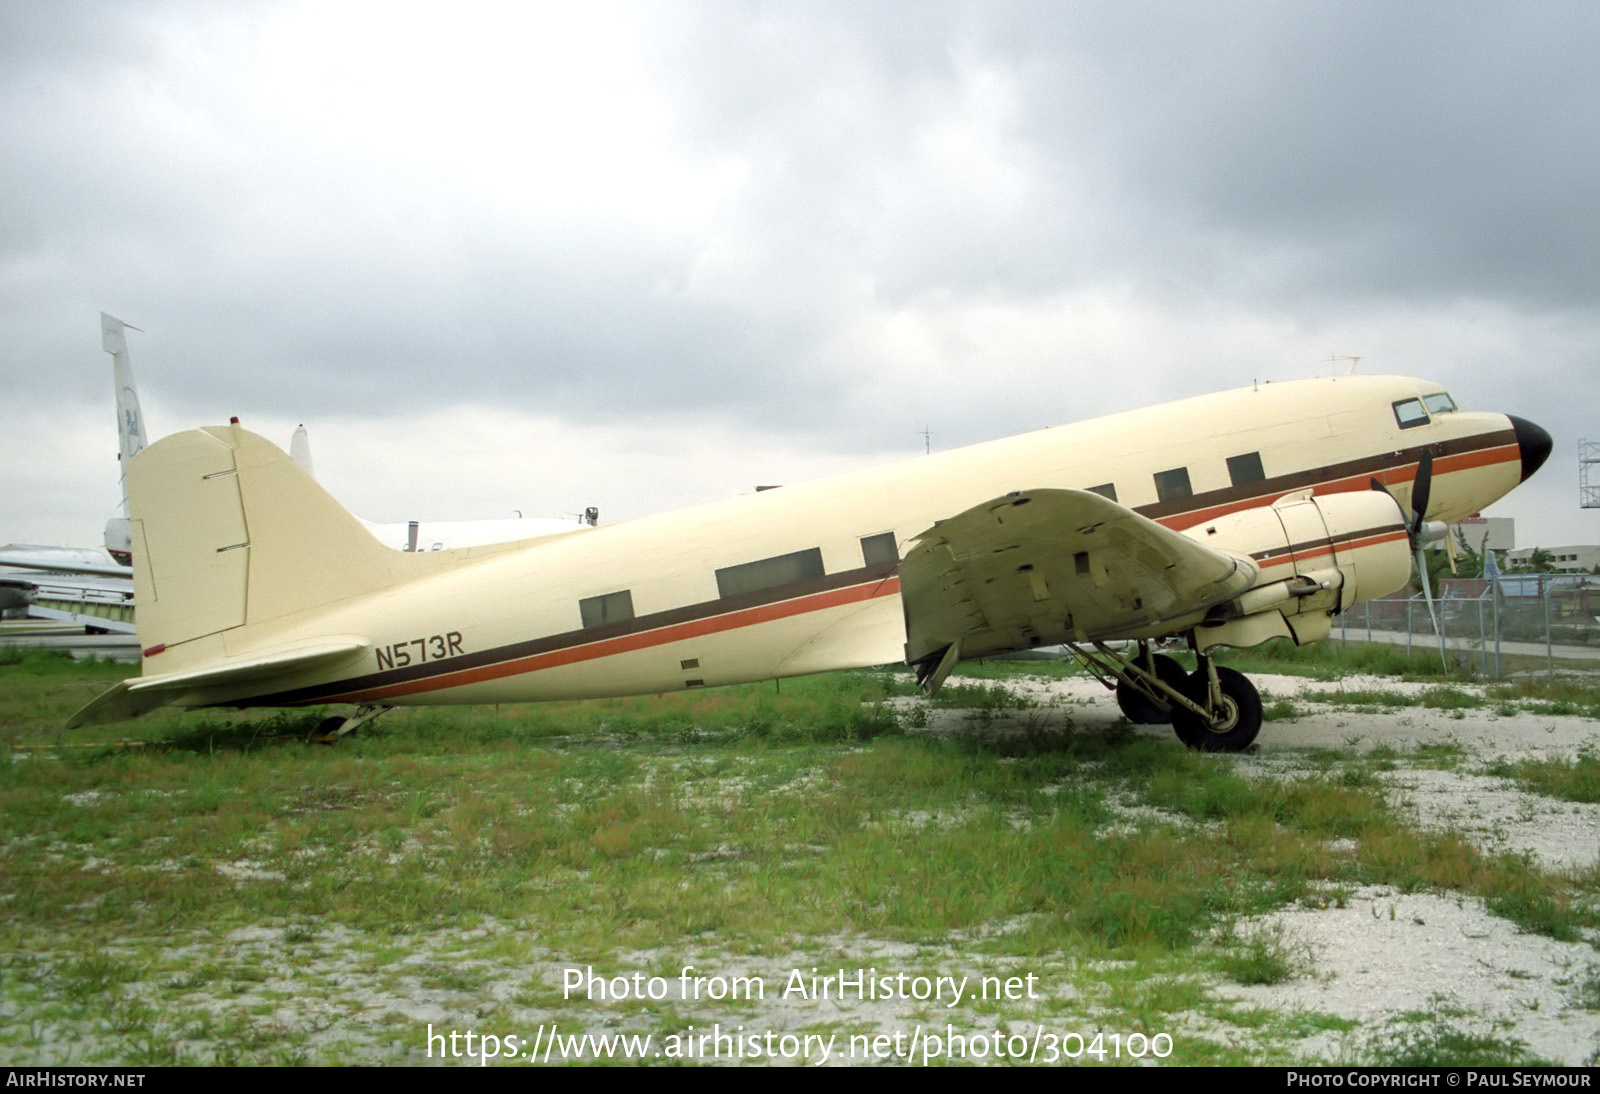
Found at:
[630, 643]
[871, 590]
[1464, 461]
[1315, 550]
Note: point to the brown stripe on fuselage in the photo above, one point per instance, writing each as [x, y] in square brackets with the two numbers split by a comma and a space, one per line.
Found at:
[570, 647]
[1398, 468]
[867, 583]
[1348, 541]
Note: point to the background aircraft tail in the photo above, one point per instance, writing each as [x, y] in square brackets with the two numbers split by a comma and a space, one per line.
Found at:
[130, 426]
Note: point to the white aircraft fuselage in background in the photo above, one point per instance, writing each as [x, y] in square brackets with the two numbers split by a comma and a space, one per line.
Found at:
[86, 586]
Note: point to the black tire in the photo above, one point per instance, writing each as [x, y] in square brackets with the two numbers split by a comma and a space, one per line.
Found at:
[1139, 708]
[1242, 714]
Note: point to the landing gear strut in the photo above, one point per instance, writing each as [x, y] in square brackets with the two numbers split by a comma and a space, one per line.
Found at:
[1141, 704]
[332, 730]
[1213, 709]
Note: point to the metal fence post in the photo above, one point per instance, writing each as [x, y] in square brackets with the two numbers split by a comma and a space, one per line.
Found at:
[1495, 591]
[1483, 639]
[1549, 656]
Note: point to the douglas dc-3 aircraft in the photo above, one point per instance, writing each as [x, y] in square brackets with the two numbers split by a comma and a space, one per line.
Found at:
[1225, 520]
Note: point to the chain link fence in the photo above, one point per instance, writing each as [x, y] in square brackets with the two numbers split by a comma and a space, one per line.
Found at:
[1553, 615]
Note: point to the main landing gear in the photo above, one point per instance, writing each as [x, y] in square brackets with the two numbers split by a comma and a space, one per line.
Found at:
[1213, 709]
[332, 730]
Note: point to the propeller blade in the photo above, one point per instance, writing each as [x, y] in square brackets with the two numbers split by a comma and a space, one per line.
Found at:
[1433, 613]
[1421, 487]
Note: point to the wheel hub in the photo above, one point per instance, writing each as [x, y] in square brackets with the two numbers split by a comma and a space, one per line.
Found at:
[1227, 718]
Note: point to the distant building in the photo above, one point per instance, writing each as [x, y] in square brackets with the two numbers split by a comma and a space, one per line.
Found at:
[1502, 532]
[1563, 560]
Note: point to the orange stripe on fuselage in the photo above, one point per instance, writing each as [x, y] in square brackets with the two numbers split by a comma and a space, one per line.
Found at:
[861, 593]
[629, 643]
[1464, 461]
[1300, 554]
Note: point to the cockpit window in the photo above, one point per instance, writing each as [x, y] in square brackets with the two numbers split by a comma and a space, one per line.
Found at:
[1409, 413]
[1439, 402]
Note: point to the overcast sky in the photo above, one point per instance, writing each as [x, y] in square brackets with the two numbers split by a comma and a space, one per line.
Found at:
[505, 257]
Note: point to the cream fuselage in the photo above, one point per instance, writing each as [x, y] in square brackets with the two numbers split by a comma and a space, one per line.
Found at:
[505, 624]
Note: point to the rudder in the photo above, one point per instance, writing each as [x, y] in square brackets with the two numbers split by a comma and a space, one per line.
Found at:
[229, 532]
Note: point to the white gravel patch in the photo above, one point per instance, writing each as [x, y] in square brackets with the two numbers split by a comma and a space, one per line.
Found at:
[1385, 954]
[1499, 816]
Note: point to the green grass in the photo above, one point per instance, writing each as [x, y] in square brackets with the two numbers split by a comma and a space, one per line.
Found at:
[1435, 1041]
[1576, 780]
[1265, 955]
[1326, 660]
[207, 887]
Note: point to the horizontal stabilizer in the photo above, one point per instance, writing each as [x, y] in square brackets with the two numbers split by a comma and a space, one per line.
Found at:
[145, 693]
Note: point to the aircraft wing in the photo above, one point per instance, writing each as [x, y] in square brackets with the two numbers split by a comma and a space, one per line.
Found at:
[1044, 566]
[62, 560]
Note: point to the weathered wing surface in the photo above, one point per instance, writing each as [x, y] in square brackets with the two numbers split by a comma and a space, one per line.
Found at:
[1045, 566]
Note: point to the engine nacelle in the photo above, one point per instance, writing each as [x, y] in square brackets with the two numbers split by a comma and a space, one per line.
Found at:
[1317, 556]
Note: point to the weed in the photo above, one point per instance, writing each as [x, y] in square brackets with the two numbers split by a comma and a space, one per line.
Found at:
[1575, 780]
[1589, 989]
[1265, 955]
[1435, 1042]
[1278, 709]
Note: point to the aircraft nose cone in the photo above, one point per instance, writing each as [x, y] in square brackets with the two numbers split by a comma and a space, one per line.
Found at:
[1534, 442]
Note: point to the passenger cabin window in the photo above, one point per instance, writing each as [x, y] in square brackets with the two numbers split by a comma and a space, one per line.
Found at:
[1173, 484]
[769, 573]
[1245, 469]
[878, 549]
[610, 608]
[1106, 490]
[1409, 413]
[1439, 403]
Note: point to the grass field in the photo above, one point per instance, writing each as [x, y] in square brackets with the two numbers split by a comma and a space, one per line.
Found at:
[209, 888]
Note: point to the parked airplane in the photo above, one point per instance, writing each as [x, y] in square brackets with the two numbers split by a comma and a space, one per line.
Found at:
[1224, 520]
[85, 586]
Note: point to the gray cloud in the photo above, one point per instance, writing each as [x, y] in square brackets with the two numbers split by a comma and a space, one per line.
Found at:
[833, 222]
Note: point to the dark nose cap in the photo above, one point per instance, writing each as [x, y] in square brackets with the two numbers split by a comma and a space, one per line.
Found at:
[1534, 442]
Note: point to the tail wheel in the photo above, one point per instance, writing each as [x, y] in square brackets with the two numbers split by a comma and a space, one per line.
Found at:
[1142, 710]
[329, 730]
[1236, 723]
[334, 729]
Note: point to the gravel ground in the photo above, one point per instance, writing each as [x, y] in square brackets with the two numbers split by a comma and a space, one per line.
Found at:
[1380, 956]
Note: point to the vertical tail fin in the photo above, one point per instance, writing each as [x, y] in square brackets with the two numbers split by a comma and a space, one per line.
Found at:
[229, 532]
[300, 450]
[130, 426]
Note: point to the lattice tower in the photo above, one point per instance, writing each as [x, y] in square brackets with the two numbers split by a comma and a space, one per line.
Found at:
[1588, 458]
